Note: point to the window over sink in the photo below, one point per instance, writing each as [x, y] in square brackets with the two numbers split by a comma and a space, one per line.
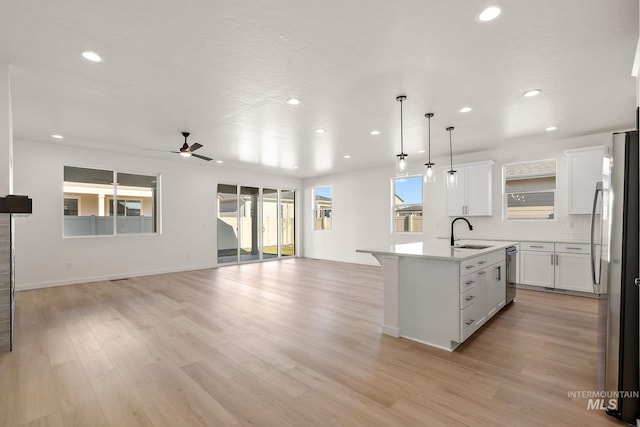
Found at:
[529, 190]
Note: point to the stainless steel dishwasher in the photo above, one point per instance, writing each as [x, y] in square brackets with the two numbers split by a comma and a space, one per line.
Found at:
[511, 253]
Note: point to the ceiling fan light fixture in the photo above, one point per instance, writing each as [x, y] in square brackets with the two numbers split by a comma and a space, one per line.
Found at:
[185, 153]
[402, 166]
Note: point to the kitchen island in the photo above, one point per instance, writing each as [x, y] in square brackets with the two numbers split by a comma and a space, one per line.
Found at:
[439, 295]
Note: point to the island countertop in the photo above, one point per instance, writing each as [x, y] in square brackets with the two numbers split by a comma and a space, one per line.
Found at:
[439, 249]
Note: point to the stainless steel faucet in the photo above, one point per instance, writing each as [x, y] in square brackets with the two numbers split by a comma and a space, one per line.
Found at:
[453, 222]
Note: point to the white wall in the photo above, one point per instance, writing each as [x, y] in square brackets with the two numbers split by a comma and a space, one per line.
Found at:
[188, 215]
[362, 205]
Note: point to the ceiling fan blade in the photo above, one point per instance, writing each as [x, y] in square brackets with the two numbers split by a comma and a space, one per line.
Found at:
[195, 146]
[202, 157]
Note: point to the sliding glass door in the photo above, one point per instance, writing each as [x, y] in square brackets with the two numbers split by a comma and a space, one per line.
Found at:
[255, 224]
[227, 223]
[288, 222]
[269, 223]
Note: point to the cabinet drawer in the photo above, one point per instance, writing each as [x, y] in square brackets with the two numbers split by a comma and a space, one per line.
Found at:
[469, 297]
[495, 257]
[473, 264]
[467, 282]
[481, 261]
[468, 266]
[572, 248]
[470, 318]
[536, 246]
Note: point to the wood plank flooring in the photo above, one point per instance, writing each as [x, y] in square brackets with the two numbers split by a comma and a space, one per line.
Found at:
[287, 343]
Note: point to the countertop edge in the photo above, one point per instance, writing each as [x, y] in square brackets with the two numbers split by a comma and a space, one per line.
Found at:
[472, 253]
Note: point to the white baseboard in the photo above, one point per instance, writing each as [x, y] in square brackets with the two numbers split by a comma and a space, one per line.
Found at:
[91, 279]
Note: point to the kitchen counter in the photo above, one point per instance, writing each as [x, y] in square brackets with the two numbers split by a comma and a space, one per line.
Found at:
[439, 295]
[439, 249]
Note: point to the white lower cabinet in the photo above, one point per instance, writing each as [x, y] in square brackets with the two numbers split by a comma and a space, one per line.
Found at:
[482, 291]
[556, 265]
[537, 268]
[496, 283]
[573, 272]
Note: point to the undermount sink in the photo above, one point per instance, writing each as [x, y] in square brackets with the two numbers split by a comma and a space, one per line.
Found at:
[472, 247]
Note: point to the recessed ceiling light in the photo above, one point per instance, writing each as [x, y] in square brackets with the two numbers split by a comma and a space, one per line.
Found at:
[295, 167]
[346, 156]
[375, 132]
[293, 101]
[465, 109]
[489, 14]
[421, 151]
[92, 56]
[532, 92]
[219, 161]
[320, 131]
[56, 136]
[551, 128]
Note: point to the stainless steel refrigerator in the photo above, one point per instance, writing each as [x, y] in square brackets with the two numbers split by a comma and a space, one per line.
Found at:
[614, 267]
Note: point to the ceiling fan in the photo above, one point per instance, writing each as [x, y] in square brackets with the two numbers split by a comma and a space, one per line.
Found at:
[186, 150]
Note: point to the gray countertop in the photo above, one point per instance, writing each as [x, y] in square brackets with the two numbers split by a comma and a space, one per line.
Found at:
[439, 249]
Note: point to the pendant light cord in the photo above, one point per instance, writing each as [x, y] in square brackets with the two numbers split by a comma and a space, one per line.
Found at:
[450, 128]
[429, 139]
[401, 132]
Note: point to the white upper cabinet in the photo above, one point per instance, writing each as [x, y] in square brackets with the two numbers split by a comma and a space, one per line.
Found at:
[584, 171]
[472, 196]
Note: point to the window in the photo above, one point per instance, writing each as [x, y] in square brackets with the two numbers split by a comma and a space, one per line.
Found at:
[91, 194]
[71, 206]
[529, 190]
[407, 204]
[322, 208]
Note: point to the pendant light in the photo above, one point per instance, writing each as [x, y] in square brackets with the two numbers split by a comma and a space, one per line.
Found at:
[452, 175]
[402, 167]
[429, 174]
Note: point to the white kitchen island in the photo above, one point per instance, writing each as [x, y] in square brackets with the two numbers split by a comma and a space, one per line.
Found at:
[439, 295]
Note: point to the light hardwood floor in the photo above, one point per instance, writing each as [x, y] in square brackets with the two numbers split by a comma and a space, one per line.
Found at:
[286, 343]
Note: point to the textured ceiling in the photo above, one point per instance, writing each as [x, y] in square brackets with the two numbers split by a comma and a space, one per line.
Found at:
[223, 70]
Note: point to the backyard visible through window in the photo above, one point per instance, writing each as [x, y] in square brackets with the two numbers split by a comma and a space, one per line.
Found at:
[90, 195]
[407, 204]
[529, 190]
[255, 223]
[322, 208]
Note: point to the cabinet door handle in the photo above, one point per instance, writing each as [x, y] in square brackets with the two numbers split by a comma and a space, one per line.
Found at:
[470, 321]
[499, 273]
[470, 297]
[469, 282]
[469, 266]
[556, 259]
[482, 262]
[482, 272]
[574, 249]
[536, 246]
[551, 259]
